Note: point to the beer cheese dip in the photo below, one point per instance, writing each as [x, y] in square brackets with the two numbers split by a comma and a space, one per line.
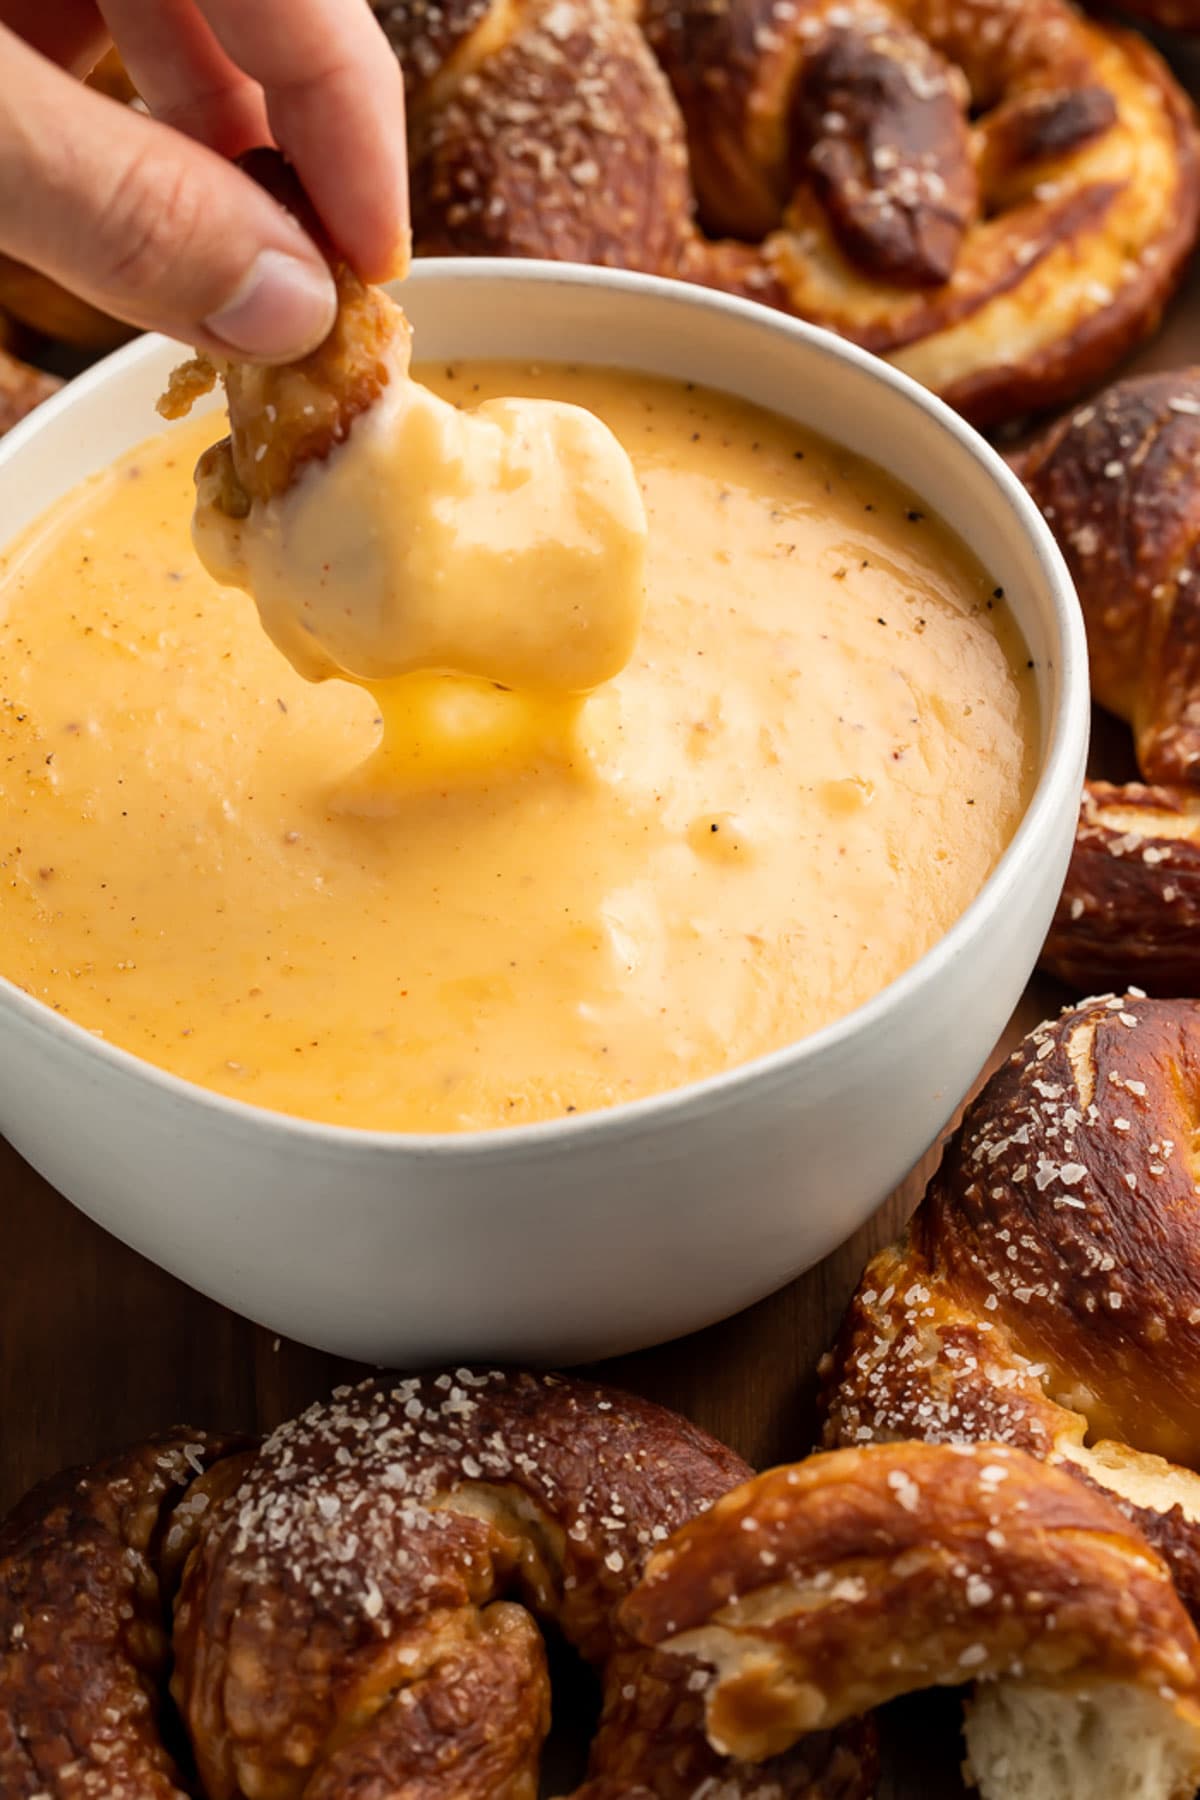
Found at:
[438, 905]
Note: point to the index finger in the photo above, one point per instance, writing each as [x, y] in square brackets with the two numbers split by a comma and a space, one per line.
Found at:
[335, 99]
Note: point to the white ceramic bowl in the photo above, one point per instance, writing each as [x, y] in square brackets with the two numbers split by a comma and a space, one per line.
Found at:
[581, 1237]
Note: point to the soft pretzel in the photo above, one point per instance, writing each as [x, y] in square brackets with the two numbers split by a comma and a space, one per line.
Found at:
[53, 312]
[818, 1591]
[1047, 1293]
[1000, 198]
[1129, 912]
[87, 1566]
[344, 1630]
[22, 387]
[1118, 481]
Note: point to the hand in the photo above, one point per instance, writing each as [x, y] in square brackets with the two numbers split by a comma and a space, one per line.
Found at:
[147, 217]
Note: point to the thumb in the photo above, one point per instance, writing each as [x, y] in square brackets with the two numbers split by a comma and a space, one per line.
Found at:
[147, 224]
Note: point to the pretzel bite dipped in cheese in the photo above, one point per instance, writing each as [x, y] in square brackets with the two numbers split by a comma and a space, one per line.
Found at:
[383, 531]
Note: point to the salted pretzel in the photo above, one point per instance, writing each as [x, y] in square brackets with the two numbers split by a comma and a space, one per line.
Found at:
[818, 1591]
[22, 388]
[87, 1569]
[1047, 1293]
[355, 1612]
[1000, 197]
[1118, 481]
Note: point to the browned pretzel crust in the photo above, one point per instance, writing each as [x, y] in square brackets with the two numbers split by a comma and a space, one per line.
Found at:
[999, 198]
[21, 389]
[85, 1582]
[353, 1620]
[1048, 1291]
[1118, 483]
[356, 1575]
[818, 1591]
[1130, 909]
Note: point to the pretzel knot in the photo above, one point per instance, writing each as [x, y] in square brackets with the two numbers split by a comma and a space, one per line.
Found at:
[1048, 1291]
[355, 1620]
[1117, 483]
[996, 194]
[818, 1590]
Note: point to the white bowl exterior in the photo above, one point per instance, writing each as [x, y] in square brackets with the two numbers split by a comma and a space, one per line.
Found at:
[577, 1239]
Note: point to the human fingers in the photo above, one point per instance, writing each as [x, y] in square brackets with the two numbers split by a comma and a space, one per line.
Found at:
[335, 99]
[149, 225]
[184, 76]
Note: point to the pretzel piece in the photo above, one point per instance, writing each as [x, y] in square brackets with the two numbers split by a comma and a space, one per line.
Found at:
[85, 1569]
[22, 388]
[999, 197]
[349, 1594]
[345, 1607]
[284, 417]
[1117, 482]
[819, 1590]
[1047, 1293]
[550, 132]
[1130, 908]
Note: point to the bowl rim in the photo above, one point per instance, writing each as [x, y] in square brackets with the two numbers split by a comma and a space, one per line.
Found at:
[1064, 750]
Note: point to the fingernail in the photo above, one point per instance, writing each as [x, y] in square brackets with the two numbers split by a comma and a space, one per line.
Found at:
[282, 310]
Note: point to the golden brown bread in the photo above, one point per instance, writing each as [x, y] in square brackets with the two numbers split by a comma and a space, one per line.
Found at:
[51, 311]
[1047, 1293]
[1130, 908]
[85, 1571]
[349, 1610]
[818, 1591]
[1118, 483]
[354, 1619]
[21, 389]
[1000, 198]
[550, 131]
